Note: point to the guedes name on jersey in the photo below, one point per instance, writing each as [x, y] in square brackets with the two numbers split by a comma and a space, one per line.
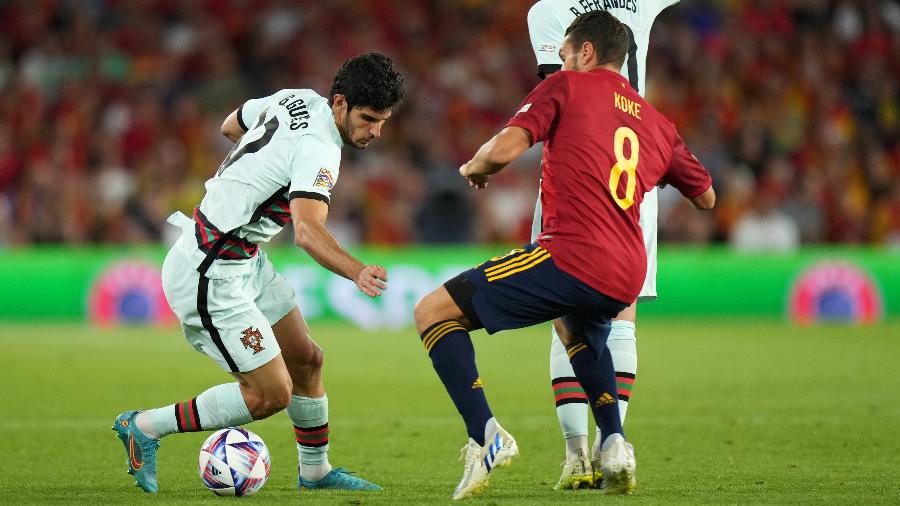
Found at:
[596, 5]
[297, 110]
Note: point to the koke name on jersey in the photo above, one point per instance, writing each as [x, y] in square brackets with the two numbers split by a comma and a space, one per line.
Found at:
[627, 105]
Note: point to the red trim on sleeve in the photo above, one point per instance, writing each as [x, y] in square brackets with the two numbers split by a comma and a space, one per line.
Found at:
[528, 127]
[701, 192]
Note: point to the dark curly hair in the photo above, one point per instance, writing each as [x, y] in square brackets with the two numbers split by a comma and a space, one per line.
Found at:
[368, 80]
[608, 35]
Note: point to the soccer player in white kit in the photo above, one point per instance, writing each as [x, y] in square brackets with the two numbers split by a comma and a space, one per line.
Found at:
[547, 23]
[233, 306]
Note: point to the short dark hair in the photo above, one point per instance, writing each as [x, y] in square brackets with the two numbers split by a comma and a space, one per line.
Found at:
[608, 35]
[368, 80]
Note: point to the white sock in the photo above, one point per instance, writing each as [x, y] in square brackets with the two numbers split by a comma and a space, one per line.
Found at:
[310, 419]
[576, 447]
[571, 401]
[623, 347]
[218, 407]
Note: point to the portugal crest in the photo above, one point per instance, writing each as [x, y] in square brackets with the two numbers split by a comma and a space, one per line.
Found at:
[252, 340]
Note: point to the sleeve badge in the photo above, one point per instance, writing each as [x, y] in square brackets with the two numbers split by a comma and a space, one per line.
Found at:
[548, 48]
[324, 180]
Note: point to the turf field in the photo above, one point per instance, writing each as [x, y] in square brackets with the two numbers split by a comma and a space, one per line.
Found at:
[723, 412]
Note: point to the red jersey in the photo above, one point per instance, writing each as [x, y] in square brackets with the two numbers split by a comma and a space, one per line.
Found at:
[604, 147]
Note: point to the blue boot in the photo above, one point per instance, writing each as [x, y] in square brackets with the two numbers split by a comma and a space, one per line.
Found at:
[140, 450]
[338, 479]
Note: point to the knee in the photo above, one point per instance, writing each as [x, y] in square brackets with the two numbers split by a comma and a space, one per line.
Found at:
[316, 358]
[565, 337]
[423, 312]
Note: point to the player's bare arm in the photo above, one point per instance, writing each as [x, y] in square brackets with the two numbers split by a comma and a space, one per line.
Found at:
[495, 154]
[310, 234]
[706, 200]
[231, 127]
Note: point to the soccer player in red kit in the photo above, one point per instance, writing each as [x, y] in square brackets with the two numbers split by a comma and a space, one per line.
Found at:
[604, 147]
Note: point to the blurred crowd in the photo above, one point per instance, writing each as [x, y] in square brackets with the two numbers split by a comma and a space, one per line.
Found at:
[111, 112]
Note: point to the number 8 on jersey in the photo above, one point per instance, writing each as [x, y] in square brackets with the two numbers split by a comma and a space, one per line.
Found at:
[627, 165]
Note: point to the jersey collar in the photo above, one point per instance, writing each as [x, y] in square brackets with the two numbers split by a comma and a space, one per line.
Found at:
[335, 133]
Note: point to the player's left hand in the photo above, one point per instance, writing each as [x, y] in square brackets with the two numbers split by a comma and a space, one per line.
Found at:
[477, 181]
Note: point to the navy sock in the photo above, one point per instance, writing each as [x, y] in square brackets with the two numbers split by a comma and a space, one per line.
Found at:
[598, 378]
[453, 357]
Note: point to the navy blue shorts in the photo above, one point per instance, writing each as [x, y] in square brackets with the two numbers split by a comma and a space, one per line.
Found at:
[524, 288]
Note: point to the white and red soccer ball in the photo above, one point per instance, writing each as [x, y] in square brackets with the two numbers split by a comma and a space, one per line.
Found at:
[234, 462]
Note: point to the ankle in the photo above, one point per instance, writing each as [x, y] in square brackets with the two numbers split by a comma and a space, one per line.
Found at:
[314, 472]
[576, 447]
[144, 423]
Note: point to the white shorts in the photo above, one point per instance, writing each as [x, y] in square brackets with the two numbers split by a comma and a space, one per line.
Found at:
[227, 317]
[649, 212]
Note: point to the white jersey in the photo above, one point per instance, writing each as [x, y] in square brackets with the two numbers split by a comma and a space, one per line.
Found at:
[292, 149]
[224, 290]
[548, 20]
[547, 24]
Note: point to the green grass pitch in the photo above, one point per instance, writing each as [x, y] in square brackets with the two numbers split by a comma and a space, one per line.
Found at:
[723, 412]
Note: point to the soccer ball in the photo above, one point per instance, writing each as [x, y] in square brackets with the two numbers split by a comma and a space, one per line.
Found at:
[234, 461]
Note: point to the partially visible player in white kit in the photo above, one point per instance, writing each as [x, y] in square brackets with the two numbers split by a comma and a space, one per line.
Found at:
[547, 23]
[232, 305]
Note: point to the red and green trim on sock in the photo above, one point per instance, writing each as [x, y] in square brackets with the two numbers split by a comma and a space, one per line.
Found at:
[624, 384]
[187, 416]
[312, 437]
[567, 390]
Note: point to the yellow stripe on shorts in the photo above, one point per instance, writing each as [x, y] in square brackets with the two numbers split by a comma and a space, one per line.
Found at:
[534, 258]
[518, 259]
[515, 259]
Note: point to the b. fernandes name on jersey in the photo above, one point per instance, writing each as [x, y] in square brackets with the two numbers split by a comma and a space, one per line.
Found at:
[596, 5]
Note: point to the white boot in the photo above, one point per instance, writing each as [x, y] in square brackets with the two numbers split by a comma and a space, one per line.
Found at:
[577, 473]
[617, 463]
[499, 450]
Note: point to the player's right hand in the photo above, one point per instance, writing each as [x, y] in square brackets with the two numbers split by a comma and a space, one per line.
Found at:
[372, 280]
[477, 181]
